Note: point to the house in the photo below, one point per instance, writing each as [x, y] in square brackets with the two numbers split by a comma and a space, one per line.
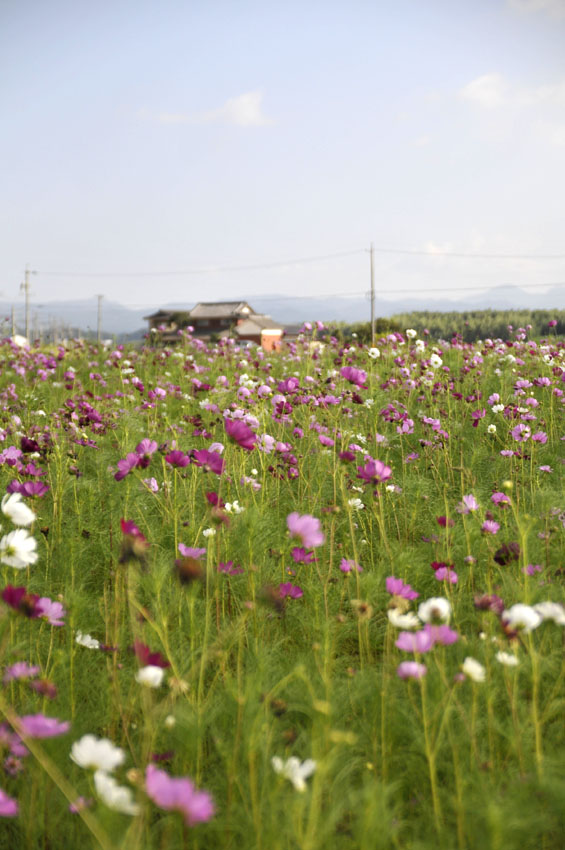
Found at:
[218, 319]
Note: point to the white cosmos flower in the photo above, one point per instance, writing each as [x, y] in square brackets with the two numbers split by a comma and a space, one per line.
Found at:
[551, 611]
[507, 659]
[99, 753]
[402, 621]
[434, 609]
[17, 549]
[374, 353]
[294, 770]
[151, 676]
[411, 333]
[491, 429]
[234, 507]
[17, 510]
[356, 504]
[473, 669]
[208, 532]
[116, 797]
[521, 618]
[87, 640]
[435, 361]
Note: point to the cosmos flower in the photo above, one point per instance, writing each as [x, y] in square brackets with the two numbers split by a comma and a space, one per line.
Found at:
[8, 806]
[347, 566]
[473, 669]
[468, 504]
[411, 670]
[150, 676]
[396, 587]
[50, 611]
[551, 611]
[20, 670]
[40, 726]
[291, 590]
[307, 528]
[521, 618]
[374, 471]
[241, 433]
[507, 659]
[489, 526]
[402, 621]
[421, 641]
[115, 796]
[435, 609]
[18, 549]
[17, 510]
[87, 640]
[294, 770]
[97, 753]
[178, 794]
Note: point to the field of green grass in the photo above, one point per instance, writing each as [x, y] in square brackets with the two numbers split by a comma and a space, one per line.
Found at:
[308, 600]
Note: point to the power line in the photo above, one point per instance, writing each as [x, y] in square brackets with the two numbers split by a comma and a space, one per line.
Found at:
[300, 260]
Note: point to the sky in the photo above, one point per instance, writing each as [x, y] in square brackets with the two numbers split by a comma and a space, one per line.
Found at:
[160, 152]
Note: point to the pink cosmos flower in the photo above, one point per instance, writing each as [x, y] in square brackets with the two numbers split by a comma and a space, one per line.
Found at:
[8, 806]
[540, 437]
[307, 528]
[178, 794]
[396, 587]
[20, 670]
[489, 526]
[421, 641]
[521, 433]
[441, 634]
[444, 573]
[191, 552]
[241, 433]
[347, 566]
[50, 611]
[289, 589]
[411, 670]
[532, 569]
[468, 504]
[500, 499]
[374, 470]
[40, 726]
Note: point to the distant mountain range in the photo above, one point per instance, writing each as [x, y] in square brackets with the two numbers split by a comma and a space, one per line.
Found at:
[70, 316]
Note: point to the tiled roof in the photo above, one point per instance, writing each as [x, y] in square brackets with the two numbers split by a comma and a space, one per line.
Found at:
[220, 309]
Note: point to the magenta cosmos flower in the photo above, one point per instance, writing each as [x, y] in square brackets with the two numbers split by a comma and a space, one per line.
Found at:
[374, 470]
[289, 589]
[307, 528]
[347, 566]
[51, 611]
[421, 641]
[209, 461]
[396, 587]
[241, 433]
[178, 794]
[354, 376]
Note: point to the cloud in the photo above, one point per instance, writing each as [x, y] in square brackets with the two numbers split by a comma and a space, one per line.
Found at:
[489, 91]
[492, 90]
[245, 110]
[553, 8]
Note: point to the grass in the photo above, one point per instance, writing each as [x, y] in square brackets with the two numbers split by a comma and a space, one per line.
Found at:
[439, 761]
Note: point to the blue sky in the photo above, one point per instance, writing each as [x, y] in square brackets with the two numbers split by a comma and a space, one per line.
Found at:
[184, 136]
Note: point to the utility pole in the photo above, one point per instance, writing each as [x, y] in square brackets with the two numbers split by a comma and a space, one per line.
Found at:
[99, 323]
[372, 295]
[25, 286]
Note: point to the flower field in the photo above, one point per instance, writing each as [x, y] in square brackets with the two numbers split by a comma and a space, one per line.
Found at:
[307, 599]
